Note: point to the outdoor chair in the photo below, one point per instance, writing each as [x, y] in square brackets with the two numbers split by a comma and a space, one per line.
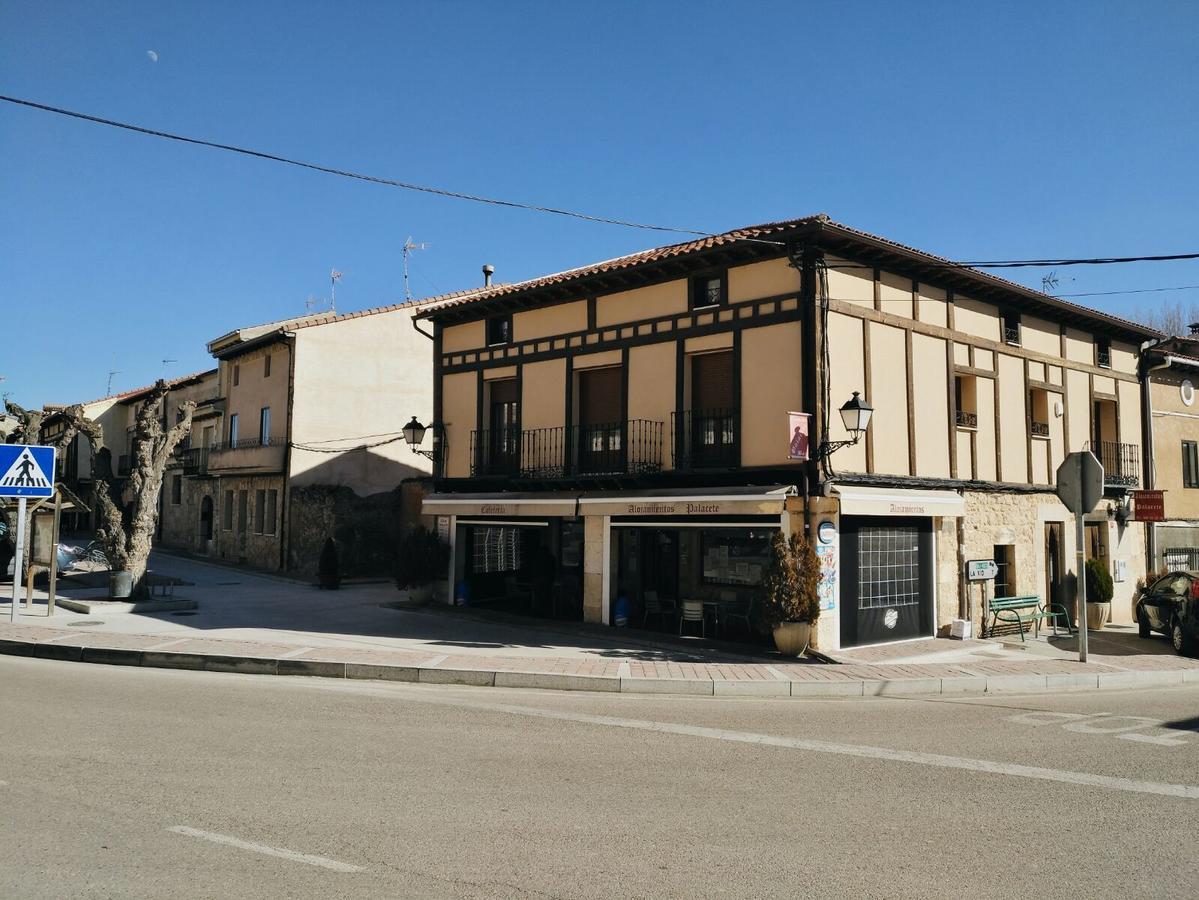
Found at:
[655, 606]
[693, 611]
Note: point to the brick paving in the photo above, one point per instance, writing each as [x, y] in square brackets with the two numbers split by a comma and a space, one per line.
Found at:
[607, 666]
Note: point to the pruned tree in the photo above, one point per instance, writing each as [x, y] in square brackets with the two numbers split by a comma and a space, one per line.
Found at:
[128, 541]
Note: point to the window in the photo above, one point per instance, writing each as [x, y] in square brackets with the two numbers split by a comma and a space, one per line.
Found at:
[176, 490]
[266, 366]
[1190, 464]
[707, 290]
[1011, 328]
[965, 392]
[1038, 412]
[272, 507]
[227, 512]
[1005, 561]
[236, 375]
[259, 510]
[233, 430]
[1103, 353]
[499, 330]
[264, 425]
[496, 550]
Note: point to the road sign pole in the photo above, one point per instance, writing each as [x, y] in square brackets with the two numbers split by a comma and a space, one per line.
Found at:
[16, 566]
[1080, 556]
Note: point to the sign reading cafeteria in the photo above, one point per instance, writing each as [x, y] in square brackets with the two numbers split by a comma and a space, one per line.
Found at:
[798, 424]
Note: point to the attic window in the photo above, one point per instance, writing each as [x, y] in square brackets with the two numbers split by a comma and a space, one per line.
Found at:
[707, 290]
[1011, 328]
[1103, 353]
[499, 330]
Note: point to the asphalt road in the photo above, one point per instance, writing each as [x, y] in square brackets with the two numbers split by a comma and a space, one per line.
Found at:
[119, 782]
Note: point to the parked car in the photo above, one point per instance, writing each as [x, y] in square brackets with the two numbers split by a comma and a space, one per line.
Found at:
[1171, 606]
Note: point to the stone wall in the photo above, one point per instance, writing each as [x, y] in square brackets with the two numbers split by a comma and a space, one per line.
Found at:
[179, 524]
[367, 529]
[253, 546]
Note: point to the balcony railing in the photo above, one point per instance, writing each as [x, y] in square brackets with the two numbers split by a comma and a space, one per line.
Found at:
[195, 461]
[1039, 429]
[1011, 334]
[246, 443]
[1121, 462]
[619, 448]
[967, 419]
[1103, 357]
[706, 438]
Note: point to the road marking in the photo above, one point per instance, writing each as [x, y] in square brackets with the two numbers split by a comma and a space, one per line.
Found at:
[297, 652]
[174, 643]
[862, 751]
[280, 852]
[1101, 724]
[436, 661]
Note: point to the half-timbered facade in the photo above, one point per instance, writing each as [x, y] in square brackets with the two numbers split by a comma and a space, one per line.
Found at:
[625, 434]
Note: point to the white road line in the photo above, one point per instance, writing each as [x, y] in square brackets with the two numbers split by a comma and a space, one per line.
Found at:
[291, 855]
[297, 652]
[174, 643]
[937, 760]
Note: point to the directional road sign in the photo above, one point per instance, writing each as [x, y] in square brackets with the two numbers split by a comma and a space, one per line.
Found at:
[26, 471]
[981, 569]
[1080, 482]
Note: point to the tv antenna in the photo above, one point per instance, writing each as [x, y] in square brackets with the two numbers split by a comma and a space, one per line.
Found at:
[108, 389]
[406, 251]
[1049, 282]
[167, 362]
[334, 277]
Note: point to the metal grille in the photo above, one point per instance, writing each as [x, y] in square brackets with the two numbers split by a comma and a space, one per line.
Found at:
[496, 550]
[888, 566]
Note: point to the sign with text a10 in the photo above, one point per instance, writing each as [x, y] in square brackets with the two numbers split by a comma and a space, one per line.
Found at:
[981, 570]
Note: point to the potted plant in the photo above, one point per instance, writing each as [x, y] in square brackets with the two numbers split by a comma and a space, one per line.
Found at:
[1099, 594]
[790, 592]
[329, 568]
[423, 561]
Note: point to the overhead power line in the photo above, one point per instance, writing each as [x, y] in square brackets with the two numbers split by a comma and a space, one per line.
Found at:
[532, 207]
[1181, 287]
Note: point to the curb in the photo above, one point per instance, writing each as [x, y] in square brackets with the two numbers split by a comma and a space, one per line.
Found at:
[960, 685]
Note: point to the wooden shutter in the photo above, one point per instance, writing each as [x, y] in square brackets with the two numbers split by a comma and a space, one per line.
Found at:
[712, 382]
[601, 395]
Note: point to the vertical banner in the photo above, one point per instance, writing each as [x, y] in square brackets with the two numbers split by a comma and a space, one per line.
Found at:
[827, 553]
[797, 426]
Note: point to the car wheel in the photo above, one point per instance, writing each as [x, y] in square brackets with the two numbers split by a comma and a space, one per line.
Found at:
[1143, 628]
[1182, 641]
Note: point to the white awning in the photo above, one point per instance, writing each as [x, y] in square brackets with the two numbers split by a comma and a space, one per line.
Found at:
[875, 501]
[533, 503]
[733, 500]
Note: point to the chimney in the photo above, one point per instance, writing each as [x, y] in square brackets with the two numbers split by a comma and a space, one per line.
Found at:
[488, 271]
[1193, 328]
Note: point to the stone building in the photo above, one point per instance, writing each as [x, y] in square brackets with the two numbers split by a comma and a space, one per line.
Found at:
[632, 432]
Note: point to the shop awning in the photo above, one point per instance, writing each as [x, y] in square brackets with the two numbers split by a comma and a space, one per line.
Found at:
[737, 500]
[877, 501]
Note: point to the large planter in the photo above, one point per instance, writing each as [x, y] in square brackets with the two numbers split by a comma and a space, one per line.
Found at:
[1097, 615]
[791, 638]
[120, 585]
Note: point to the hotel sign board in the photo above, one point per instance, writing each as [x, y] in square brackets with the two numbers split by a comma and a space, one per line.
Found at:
[798, 427]
[1149, 506]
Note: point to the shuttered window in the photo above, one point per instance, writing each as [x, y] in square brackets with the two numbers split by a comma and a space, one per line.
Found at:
[1190, 464]
[601, 396]
[712, 385]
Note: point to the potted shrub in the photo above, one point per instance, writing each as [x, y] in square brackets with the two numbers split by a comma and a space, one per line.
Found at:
[790, 592]
[329, 568]
[422, 563]
[1099, 594]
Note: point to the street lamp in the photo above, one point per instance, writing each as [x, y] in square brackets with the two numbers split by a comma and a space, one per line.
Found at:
[414, 435]
[855, 413]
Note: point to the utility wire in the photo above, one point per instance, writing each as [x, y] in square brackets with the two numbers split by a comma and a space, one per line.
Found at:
[512, 204]
[1183, 287]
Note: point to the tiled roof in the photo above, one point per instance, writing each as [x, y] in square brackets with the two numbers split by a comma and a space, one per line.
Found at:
[137, 392]
[764, 232]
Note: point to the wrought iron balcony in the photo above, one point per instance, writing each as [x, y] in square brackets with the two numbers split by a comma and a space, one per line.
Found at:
[195, 461]
[1039, 429]
[249, 455]
[1011, 334]
[1121, 462]
[1103, 357]
[967, 419]
[706, 438]
[619, 448]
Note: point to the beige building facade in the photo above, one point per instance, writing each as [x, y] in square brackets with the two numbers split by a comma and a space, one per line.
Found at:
[622, 437]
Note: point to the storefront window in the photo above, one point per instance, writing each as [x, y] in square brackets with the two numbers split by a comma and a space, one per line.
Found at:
[496, 550]
[735, 557]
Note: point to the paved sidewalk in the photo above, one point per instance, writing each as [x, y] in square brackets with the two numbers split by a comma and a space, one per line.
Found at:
[252, 623]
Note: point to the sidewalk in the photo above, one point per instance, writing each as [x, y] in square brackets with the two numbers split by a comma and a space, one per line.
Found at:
[254, 624]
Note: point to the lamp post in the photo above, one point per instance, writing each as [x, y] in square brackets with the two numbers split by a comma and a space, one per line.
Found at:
[414, 436]
[855, 414]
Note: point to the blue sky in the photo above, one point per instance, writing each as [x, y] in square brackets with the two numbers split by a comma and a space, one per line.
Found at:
[1012, 130]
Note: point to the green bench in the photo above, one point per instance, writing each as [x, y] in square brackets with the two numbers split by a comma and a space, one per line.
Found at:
[1020, 610]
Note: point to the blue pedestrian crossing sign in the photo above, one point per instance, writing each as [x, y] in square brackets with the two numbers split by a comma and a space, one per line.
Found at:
[26, 471]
